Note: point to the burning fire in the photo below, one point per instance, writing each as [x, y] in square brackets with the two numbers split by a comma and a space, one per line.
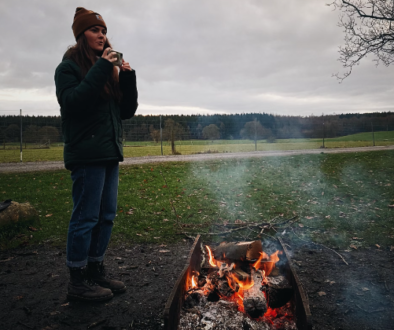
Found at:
[265, 263]
[236, 280]
[269, 262]
[194, 284]
[212, 261]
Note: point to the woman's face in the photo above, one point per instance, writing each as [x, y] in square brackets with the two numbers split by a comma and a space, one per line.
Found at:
[96, 36]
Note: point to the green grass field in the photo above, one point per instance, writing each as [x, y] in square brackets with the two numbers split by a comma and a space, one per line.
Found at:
[149, 148]
[339, 199]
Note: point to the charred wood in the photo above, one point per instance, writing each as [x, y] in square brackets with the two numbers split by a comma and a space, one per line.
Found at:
[279, 291]
[254, 300]
[193, 299]
[224, 288]
[241, 251]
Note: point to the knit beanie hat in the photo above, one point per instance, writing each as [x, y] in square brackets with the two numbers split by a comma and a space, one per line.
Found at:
[84, 19]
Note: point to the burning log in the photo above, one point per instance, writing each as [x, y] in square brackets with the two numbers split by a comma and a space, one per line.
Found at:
[241, 275]
[238, 251]
[254, 300]
[279, 291]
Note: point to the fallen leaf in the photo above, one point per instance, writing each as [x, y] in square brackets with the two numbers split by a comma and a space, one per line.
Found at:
[321, 293]
[332, 282]
[377, 245]
[335, 186]
[165, 220]
[365, 289]
[65, 305]
[309, 218]
[391, 248]
[322, 193]
[54, 313]
[164, 251]
[32, 228]
[353, 246]
[139, 234]
[391, 206]
[357, 238]
[156, 237]
[301, 225]
[48, 215]
[328, 216]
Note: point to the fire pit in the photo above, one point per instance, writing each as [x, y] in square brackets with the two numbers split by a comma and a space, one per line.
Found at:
[237, 285]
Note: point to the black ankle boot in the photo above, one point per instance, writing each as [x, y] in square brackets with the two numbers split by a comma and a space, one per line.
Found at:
[96, 273]
[80, 288]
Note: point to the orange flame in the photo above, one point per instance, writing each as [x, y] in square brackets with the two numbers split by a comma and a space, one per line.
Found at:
[194, 285]
[256, 265]
[268, 265]
[211, 258]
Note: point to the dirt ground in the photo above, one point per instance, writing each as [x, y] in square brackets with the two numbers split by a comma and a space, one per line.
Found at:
[59, 165]
[33, 283]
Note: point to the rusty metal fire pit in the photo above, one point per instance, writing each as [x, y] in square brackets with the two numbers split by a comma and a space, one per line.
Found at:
[176, 300]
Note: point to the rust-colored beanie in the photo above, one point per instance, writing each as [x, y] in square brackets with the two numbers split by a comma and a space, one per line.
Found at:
[84, 19]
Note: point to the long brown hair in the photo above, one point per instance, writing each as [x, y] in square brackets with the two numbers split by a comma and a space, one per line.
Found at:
[85, 57]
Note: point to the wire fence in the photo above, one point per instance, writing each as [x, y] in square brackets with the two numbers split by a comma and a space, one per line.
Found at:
[171, 135]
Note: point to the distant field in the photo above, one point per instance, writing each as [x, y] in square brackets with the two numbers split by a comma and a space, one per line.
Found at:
[150, 148]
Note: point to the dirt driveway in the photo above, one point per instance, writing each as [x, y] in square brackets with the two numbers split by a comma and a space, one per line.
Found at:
[50, 166]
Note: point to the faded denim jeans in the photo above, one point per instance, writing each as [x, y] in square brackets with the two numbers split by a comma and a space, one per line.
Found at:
[95, 194]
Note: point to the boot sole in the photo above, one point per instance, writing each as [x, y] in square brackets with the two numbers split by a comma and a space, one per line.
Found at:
[82, 298]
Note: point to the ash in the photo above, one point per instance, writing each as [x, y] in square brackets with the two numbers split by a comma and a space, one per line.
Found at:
[224, 315]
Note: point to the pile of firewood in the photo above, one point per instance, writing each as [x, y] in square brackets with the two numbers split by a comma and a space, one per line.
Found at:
[243, 273]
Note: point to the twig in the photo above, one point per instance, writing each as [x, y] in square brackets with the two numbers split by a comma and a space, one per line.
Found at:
[224, 232]
[272, 237]
[322, 246]
[95, 324]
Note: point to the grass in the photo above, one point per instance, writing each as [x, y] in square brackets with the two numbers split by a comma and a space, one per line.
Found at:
[335, 196]
[149, 148]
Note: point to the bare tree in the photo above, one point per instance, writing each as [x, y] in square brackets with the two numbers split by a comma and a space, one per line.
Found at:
[172, 131]
[368, 30]
[211, 132]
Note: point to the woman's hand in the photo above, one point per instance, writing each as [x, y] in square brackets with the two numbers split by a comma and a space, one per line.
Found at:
[109, 56]
[125, 66]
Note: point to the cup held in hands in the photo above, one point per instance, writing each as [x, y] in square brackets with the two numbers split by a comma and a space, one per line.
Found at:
[119, 57]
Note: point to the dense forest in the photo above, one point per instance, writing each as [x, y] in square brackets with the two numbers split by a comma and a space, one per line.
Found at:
[229, 126]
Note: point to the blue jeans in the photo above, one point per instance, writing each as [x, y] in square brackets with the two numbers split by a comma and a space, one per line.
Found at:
[94, 193]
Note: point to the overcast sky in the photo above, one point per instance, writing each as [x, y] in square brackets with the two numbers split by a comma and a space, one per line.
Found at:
[205, 56]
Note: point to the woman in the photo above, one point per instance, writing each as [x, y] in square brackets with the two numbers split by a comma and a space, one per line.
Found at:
[94, 97]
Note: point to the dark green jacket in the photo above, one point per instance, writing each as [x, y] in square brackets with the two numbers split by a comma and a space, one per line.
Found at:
[91, 125]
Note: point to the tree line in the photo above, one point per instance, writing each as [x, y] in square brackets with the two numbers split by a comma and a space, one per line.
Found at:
[41, 129]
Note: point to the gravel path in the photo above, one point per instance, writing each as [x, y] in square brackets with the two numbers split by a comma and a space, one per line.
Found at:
[47, 166]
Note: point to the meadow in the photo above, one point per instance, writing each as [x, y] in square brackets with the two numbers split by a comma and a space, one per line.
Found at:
[187, 147]
[340, 200]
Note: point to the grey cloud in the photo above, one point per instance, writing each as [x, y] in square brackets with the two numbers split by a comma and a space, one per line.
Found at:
[222, 55]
